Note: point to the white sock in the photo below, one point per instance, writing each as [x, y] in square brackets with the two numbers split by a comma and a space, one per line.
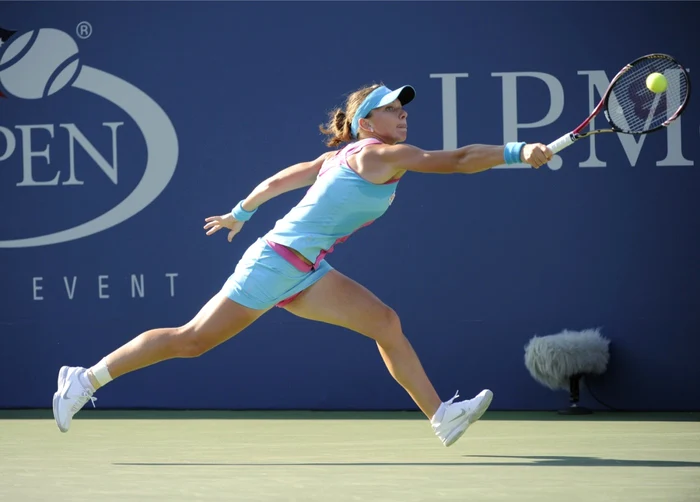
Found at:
[101, 373]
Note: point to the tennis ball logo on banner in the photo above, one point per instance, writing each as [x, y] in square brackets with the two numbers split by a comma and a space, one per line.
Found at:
[40, 63]
[49, 56]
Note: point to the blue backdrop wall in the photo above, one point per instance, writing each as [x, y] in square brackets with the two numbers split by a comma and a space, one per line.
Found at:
[170, 112]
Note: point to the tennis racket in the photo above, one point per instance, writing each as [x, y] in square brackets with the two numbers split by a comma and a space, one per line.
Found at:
[630, 107]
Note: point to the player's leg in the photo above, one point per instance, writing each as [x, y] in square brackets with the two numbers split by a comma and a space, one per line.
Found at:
[248, 293]
[219, 320]
[337, 299]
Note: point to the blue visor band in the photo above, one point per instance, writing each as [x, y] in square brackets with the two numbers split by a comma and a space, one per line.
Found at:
[379, 97]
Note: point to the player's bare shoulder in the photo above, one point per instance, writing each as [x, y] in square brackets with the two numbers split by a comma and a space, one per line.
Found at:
[386, 154]
[374, 163]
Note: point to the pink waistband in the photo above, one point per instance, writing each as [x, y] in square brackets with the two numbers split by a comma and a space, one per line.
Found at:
[300, 264]
[285, 253]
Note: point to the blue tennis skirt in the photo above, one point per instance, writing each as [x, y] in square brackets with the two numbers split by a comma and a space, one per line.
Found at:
[263, 279]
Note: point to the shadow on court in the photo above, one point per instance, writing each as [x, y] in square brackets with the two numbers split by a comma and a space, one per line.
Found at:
[571, 461]
[522, 461]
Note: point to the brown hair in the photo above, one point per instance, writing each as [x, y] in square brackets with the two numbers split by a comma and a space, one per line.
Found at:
[338, 127]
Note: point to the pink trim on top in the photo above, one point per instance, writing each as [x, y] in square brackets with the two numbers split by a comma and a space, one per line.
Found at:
[341, 157]
[356, 147]
[329, 163]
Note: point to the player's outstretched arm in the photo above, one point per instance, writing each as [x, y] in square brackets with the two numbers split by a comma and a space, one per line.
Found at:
[467, 160]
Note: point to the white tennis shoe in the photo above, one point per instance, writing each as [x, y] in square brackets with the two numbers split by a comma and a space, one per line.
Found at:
[70, 397]
[454, 419]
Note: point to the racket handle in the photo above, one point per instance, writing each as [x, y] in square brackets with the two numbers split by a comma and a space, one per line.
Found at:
[562, 142]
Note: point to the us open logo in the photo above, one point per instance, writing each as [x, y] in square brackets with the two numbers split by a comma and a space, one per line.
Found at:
[40, 63]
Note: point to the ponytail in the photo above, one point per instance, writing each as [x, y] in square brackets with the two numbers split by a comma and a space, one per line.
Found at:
[337, 128]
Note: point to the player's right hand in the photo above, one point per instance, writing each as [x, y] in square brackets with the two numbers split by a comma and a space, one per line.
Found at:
[216, 223]
[536, 154]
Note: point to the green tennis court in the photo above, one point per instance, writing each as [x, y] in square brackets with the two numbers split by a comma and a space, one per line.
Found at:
[326, 456]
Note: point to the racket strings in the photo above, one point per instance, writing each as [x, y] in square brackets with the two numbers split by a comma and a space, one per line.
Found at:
[643, 109]
[634, 108]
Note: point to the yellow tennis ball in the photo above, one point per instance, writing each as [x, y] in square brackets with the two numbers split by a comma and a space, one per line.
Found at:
[656, 82]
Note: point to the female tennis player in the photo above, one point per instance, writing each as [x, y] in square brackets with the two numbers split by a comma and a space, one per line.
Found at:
[350, 187]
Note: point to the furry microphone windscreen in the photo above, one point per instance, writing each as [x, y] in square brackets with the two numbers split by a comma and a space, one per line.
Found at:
[553, 359]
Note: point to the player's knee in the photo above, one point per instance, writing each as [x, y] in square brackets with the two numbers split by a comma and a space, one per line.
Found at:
[393, 322]
[189, 342]
[388, 330]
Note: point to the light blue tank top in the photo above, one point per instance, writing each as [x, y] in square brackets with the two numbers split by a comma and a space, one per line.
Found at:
[338, 203]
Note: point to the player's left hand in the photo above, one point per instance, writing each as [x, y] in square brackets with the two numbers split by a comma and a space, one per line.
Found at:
[536, 154]
[216, 223]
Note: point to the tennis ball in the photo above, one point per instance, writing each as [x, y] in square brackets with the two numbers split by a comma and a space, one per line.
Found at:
[656, 82]
[40, 69]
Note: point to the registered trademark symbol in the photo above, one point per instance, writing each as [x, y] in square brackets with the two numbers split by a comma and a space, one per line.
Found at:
[84, 29]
